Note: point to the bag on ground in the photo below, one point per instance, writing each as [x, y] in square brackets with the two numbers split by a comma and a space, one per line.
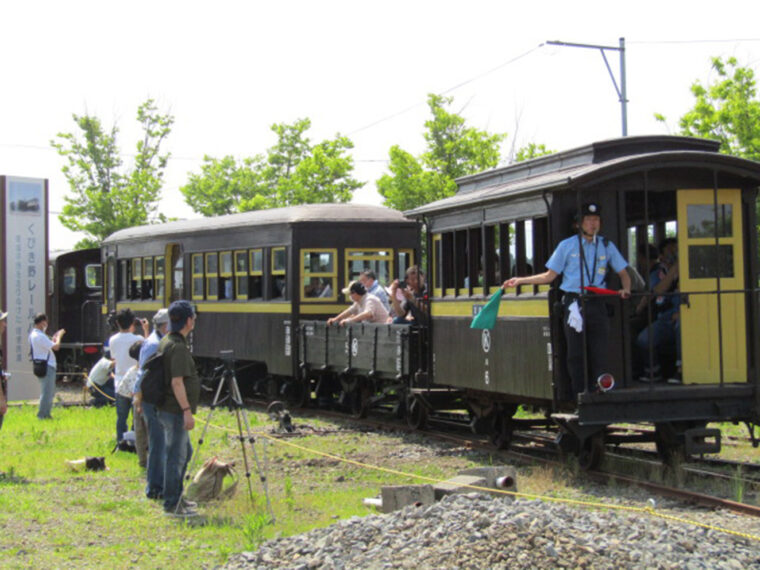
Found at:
[209, 483]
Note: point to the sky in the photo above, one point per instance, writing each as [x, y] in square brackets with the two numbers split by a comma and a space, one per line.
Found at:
[228, 70]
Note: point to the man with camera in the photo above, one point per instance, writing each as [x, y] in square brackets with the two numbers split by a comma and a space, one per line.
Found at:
[176, 413]
[407, 298]
[43, 349]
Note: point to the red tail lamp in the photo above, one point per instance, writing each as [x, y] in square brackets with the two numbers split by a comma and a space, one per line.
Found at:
[605, 382]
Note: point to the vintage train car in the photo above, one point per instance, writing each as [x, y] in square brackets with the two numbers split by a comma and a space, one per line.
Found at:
[74, 303]
[254, 276]
[507, 221]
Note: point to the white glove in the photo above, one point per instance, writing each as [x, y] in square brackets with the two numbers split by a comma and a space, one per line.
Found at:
[574, 319]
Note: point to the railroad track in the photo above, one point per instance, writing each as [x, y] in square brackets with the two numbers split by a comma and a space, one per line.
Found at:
[539, 448]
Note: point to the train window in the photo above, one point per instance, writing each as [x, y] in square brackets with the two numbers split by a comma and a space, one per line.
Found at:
[475, 268]
[212, 276]
[135, 290]
[241, 274]
[160, 276]
[225, 275]
[540, 248]
[147, 278]
[492, 258]
[51, 280]
[197, 262]
[93, 276]
[436, 283]
[701, 220]
[405, 261]
[319, 274]
[704, 260]
[178, 275]
[123, 279]
[461, 263]
[256, 281]
[379, 261]
[69, 280]
[278, 260]
[447, 263]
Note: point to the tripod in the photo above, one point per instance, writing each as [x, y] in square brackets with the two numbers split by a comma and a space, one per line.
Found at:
[235, 402]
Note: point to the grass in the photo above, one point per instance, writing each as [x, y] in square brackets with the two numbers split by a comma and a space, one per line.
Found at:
[55, 517]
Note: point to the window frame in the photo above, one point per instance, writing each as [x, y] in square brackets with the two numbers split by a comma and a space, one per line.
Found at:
[210, 276]
[194, 275]
[332, 275]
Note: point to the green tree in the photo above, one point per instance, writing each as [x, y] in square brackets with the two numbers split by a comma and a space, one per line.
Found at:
[103, 197]
[531, 150]
[726, 110]
[293, 171]
[453, 150]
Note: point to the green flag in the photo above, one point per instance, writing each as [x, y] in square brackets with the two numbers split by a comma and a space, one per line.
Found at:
[486, 318]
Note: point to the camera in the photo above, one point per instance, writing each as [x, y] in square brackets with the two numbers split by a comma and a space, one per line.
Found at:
[402, 284]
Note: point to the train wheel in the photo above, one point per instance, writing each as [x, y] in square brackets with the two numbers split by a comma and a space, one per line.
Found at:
[417, 415]
[501, 430]
[591, 452]
[298, 393]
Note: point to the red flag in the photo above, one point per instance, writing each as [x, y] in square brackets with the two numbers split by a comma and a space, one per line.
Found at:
[601, 291]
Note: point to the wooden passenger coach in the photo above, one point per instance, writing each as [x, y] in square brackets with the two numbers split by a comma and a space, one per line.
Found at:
[506, 222]
[254, 276]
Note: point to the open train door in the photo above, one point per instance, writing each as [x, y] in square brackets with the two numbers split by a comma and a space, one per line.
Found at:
[711, 267]
[175, 275]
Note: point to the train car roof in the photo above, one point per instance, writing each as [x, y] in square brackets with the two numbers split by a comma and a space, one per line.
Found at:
[306, 213]
[64, 253]
[590, 163]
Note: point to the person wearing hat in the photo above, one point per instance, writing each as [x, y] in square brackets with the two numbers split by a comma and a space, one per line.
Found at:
[583, 261]
[366, 307]
[3, 383]
[148, 429]
[176, 413]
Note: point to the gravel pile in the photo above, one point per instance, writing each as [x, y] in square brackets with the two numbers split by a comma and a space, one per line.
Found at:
[478, 531]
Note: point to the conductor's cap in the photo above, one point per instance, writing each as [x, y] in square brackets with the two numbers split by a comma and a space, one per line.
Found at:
[591, 209]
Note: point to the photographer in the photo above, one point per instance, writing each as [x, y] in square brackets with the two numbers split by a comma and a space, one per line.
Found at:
[413, 291]
[43, 348]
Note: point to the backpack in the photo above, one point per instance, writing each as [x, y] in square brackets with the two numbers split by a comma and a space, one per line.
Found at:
[153, 385]
[209, 483]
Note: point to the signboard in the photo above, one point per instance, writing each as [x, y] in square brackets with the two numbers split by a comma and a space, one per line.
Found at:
[23, 224]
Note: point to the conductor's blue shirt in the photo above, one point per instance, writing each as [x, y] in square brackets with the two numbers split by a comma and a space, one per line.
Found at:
[566, 260]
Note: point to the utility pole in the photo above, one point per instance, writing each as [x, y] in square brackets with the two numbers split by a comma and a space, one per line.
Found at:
[621, 91]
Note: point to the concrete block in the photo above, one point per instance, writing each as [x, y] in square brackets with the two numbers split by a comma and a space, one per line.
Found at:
[497, 476]
[458, 484]
[399, 496]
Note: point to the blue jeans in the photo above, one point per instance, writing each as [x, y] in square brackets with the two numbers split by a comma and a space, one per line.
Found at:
[665, 334]
[123, 405]
[156, 451]
[178, 453]
[47, 384]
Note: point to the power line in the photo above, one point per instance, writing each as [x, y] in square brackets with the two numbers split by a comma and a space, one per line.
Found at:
[457, 86]
[664, 42]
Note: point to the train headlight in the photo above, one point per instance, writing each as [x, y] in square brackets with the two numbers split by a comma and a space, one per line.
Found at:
[605, 382]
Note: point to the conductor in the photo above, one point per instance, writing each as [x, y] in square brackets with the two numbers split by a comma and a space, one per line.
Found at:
[583, 260]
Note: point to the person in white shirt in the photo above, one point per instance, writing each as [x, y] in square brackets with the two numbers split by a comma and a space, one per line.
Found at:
[44, 348]
[119, 345]
[366, 307]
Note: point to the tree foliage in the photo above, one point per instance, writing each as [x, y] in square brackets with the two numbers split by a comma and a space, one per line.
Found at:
[726, 110]
[293, 171]
[453, 150]
[531, 150]
[103, 197]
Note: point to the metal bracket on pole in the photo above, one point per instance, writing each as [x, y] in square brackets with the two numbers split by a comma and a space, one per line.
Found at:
[621, 91]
